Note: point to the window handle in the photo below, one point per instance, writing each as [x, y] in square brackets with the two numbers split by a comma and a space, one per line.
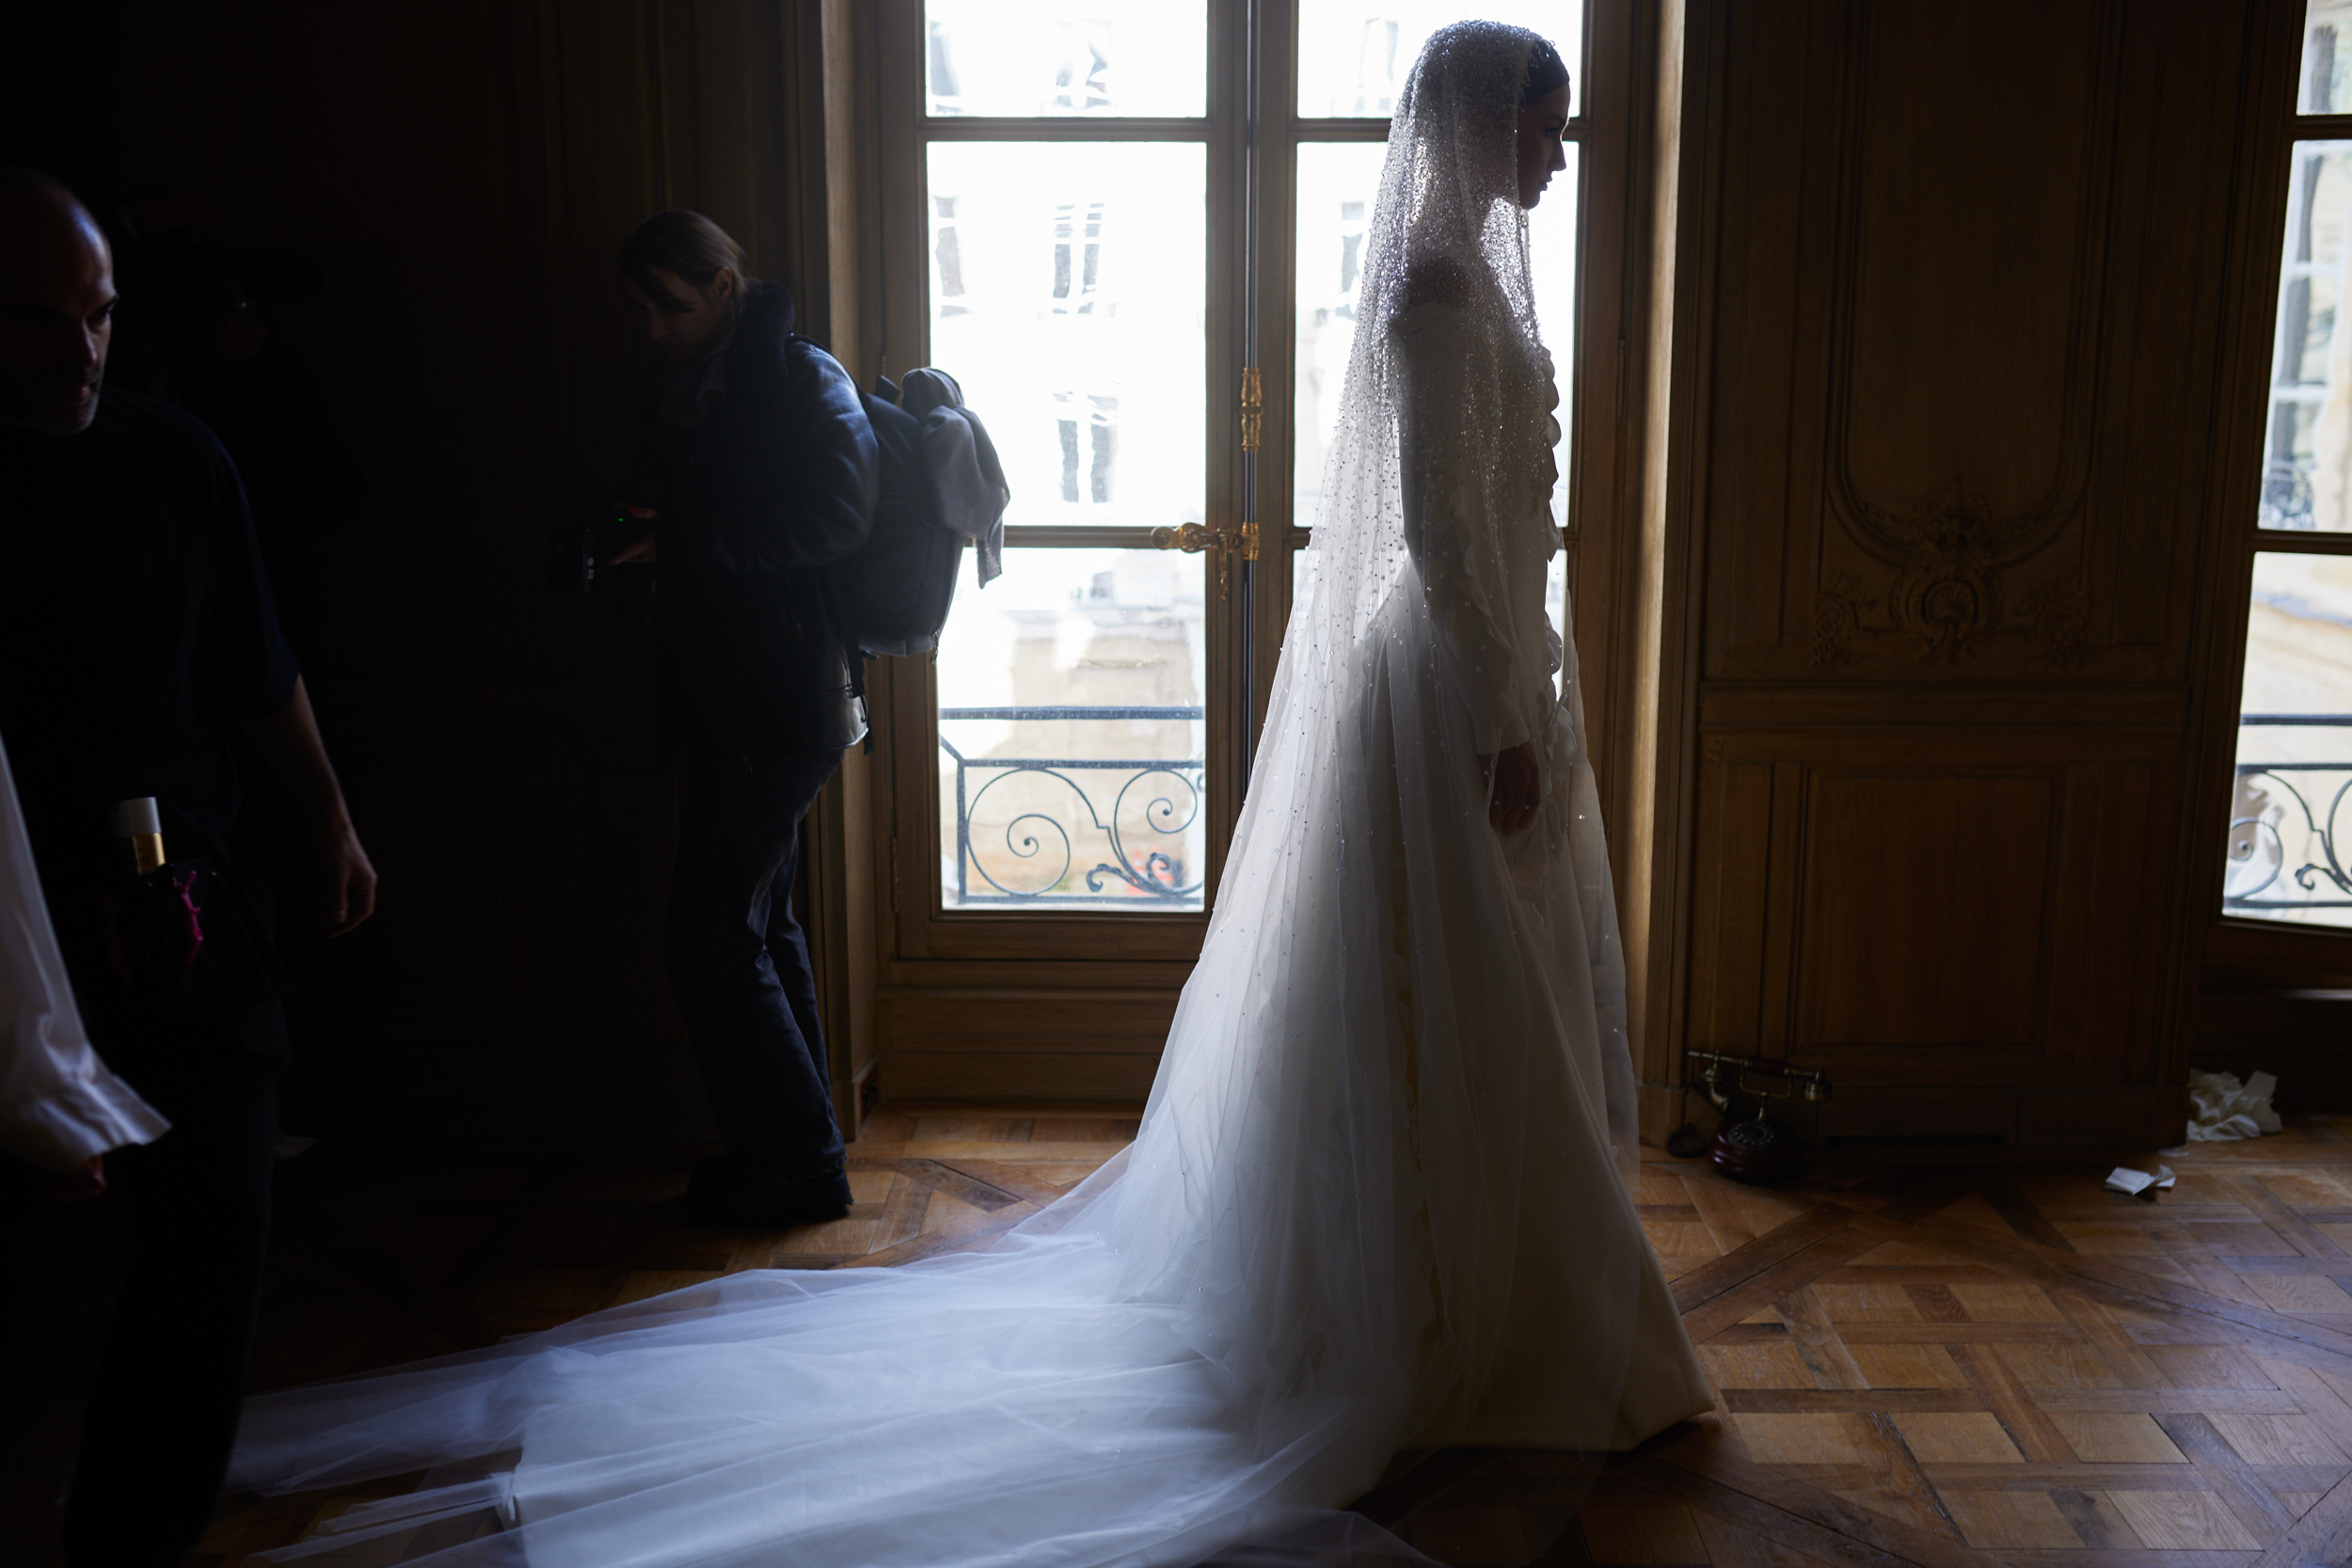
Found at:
[1192, 539]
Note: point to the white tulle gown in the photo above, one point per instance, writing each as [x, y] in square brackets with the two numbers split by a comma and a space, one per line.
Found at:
[1375, 1202]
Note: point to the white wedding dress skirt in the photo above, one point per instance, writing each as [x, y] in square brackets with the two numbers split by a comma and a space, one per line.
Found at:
[1373, 1203]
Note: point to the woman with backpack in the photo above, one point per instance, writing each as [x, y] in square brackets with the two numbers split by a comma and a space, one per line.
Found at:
[758, 469]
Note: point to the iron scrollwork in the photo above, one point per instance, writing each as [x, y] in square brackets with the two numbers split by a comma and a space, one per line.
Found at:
[2322, 874]
[1155, 875]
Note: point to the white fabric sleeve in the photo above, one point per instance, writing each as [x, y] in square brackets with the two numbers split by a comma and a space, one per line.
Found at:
[59, 1106]
[1451, 526]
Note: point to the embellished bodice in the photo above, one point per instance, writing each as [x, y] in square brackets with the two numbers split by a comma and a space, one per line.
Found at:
[1478, 517]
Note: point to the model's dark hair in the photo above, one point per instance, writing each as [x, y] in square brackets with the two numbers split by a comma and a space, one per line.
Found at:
[687, 244]
[1547, 72]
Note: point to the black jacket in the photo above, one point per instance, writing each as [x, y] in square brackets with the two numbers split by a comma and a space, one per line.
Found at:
[136, 627]
[777, 479]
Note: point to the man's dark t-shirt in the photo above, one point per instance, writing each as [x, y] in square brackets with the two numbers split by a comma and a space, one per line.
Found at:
[136, 625]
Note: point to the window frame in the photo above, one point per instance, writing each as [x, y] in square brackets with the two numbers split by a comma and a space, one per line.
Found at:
[1251, 52]
[2242, 949]
[924, 927]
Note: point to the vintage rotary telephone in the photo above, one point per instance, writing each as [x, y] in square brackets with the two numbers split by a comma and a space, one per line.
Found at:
[1750, 1146]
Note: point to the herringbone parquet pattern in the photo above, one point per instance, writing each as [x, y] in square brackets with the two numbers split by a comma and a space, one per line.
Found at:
[1975, 1365]
[1933, 1364]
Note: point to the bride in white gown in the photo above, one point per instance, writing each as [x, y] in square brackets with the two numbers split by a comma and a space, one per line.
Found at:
[1375, 1202]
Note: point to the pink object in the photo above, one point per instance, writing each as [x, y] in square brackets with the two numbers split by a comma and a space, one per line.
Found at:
[184, 884]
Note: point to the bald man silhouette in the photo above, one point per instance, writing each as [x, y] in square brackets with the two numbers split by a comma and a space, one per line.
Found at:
[57, 305]
[137, 601]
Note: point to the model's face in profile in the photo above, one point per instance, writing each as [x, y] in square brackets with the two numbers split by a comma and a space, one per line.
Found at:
[689, 319]
[57, 315]
[1540, 152]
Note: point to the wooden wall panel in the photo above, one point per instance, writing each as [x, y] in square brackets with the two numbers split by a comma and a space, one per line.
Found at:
[1734, 893]
[1897, 859]
[1923, 908]
[1977, 174]
[1954, 330]
[1062, 1043]
[452, 836]
[1948, 353]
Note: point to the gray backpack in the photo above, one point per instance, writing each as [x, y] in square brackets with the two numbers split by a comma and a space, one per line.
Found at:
[941, 484]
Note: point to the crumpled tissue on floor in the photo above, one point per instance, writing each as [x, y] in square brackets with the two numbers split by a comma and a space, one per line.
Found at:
[2221, 1108]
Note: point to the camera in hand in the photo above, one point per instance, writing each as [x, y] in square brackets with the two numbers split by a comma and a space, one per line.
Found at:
[581, 553]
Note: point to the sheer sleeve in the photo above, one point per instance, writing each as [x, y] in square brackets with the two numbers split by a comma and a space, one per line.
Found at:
[1455, 514]
[58, 1104]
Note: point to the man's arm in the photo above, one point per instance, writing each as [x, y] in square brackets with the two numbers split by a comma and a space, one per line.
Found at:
[289, 742]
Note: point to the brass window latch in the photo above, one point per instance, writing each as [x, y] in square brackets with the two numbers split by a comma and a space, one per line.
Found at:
[1192, 539]
[1252, 408]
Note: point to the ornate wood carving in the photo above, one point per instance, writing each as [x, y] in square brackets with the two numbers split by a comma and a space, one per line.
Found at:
[1837, 611]
[1937, 292]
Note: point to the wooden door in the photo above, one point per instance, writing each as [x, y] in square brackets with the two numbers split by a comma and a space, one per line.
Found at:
[1954, 296]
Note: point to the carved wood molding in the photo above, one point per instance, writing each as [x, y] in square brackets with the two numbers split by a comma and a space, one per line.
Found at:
[1944, 555]
[1839, 606]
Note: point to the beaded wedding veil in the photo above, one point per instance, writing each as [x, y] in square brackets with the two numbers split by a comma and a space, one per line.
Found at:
[1373, 1202]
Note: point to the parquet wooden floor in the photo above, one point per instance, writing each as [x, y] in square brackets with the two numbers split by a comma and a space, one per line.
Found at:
[1999, 1363]
[1964, 1359]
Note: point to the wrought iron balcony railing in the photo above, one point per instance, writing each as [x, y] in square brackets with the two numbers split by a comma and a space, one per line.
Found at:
[2284, 850]
[1138, 877]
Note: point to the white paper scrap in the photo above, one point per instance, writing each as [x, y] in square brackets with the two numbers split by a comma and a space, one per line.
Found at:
[2139, 1184]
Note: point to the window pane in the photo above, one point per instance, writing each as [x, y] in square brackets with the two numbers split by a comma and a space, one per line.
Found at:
[2294, 745]
[2307, 447]
[1073, 734]
[1067, 295]
[1337, 183]
[2327, 85]
[1354, 54]
[1556, 597]
[1021, 57]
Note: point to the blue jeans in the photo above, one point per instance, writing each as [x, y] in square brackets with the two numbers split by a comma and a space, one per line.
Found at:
[738, 964]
